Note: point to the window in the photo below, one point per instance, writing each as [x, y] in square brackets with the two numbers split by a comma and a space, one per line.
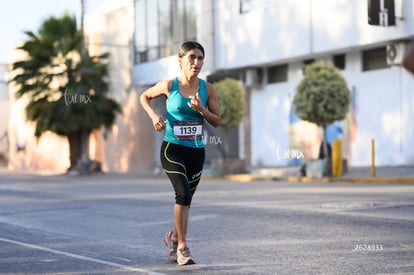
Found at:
[161, 26]
[140, 32]
[277, 74]
[249, 5]
[381, 12]
[374, 59]
[308, 61]
[246, 5]
[339, 61]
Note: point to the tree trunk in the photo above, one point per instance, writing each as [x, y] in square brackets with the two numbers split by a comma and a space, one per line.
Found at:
[327, 168]
[75, 152]
[325, 144]
[226, 143]
[85, 146]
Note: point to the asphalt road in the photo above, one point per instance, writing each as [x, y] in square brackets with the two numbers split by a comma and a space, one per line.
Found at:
[114, 224]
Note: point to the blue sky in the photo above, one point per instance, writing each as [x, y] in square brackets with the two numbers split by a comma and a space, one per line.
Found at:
[17, 16]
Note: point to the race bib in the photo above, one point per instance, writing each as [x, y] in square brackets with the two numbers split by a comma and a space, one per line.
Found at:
[191, 129]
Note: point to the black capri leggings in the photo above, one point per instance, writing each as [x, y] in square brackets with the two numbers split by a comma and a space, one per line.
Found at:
[183, 166]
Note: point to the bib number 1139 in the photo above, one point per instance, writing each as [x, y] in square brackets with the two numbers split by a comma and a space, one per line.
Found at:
[188, 129]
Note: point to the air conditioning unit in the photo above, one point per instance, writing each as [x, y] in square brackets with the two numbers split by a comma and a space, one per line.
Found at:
[395, 53]
[253, 78]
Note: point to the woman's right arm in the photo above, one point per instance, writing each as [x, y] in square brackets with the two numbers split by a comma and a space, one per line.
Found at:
[161, 88]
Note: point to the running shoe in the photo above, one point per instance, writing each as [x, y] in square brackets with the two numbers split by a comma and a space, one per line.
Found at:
[184, 256]
[171, 246]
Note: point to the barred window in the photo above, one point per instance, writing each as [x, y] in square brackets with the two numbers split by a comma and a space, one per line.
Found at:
[374, 59]
[339, 61]
[161, 26]
[277, 74]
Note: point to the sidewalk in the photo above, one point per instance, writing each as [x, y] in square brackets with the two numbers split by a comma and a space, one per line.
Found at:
[383, 174]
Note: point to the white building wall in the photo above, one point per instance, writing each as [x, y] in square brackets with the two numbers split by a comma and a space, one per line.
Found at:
[4, 115]
[384, 101]
[4, 99]
[270, 122]
[344, 23]
[275, 32]
[288, 32]
[279, 30]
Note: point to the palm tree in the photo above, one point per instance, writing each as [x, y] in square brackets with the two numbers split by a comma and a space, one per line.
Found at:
[67, 89]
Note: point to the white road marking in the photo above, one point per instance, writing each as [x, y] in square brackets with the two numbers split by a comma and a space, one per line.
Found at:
[80, 257]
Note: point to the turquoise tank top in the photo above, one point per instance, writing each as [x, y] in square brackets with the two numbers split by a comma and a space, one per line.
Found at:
[184, 125]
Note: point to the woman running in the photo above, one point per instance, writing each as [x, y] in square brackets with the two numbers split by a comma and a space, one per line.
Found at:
[190, 101]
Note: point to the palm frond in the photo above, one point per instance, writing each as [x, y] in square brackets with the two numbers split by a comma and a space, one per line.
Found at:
[52, 72]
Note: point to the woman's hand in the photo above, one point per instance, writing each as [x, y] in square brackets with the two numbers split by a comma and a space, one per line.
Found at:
[158, 122]
[212, 113]
[161, 88]
[195, 103]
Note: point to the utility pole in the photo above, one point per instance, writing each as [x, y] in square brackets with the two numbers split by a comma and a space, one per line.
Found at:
[84, 133]
[82, 30]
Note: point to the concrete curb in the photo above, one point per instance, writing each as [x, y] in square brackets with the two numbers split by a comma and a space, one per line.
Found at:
[250, 178]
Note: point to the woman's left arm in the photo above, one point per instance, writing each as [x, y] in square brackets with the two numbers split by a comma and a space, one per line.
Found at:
[210, 112]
